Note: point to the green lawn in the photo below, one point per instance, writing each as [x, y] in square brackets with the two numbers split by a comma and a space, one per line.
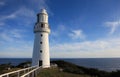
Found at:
[55, 72]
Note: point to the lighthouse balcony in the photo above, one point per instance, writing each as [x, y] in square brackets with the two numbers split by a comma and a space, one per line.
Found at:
[42, 30]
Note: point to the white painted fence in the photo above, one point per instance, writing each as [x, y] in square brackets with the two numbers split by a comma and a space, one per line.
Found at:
[32, 73]
[18, 71]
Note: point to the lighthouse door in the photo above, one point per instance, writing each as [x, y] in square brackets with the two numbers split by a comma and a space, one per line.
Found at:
[40, 63]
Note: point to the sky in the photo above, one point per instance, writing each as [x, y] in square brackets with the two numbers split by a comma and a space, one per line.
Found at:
[79, 28]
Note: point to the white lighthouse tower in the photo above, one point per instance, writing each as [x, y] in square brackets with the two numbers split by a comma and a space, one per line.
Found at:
[41, 42]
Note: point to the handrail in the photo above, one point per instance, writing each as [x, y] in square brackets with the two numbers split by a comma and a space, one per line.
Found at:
[32, 71]
[18, 71]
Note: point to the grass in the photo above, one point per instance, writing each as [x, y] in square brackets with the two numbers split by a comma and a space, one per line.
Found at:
[55, 72]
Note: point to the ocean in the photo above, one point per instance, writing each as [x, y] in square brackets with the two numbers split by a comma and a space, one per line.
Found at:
[107, 64]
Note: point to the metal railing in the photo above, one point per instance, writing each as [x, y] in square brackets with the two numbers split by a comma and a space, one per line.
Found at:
[19, 71]
[32, 73]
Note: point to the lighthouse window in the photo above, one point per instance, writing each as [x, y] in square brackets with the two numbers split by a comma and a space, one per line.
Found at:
[37, 18]
[42, 25]
[41, 35]
[40, 51]
[40, 42]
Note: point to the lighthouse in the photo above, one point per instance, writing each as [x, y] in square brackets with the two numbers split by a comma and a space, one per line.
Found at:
[41, 41]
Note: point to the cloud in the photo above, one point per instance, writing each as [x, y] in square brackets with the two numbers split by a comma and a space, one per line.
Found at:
[113, 25]
[22, 9]
[21, 49]
[77, 34]
[15, 20]
[23, 17]
[16, 33]
[97, 48]
[11, 16]
[22, 12]
[15, 41]
[5, 37]
[11, 35]
[86, 49]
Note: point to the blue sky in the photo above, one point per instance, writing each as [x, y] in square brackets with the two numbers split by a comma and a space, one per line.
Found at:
[79, 28]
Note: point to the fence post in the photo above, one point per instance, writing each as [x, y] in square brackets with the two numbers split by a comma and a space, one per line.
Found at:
[28, 75]
[28, 70]
[24, 72]
[18, 74]
[33, 74]
[7, 75]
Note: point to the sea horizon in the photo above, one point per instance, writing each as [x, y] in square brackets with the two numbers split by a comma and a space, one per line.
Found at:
[106, 64]
[69, 57]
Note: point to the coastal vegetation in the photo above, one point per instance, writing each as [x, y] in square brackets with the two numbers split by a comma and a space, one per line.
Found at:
[4, 68]
[63, 69]
[92, 72]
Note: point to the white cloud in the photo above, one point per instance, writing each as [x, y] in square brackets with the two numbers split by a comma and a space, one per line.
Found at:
[6, 37]
[77, 34]
[98, 48]
[17, 33]
[12, 35]
[113, 25]
[22, 12]
[20, 49]
[12, 41]
[22, 17]
[11, 16]
[25, 10]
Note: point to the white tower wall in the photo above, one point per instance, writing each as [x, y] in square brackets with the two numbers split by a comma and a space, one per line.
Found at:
[41, 42]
